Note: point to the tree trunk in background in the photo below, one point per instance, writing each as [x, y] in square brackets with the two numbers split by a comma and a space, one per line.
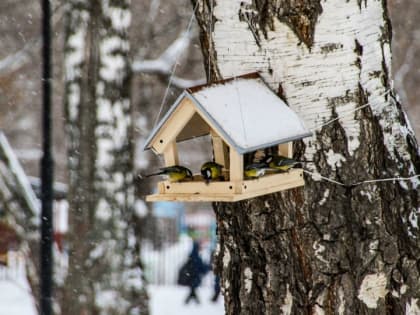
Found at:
[324, 248]
[105, 275]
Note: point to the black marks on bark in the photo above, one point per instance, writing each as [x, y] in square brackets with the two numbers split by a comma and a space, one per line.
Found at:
[250, 16]
[386, 36]
[359, 52]
[334, 102]
[413, 149]
[308, 83]
[361, 2]
[281, 93]
[385, 73]
[330, 47]
[388, 26]
[300, 15]
[358, 48]
[391, 305]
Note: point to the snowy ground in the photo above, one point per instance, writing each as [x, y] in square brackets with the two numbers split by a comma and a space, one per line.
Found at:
[15, 295]
[164, 300]
[169, 300]
[15, 300]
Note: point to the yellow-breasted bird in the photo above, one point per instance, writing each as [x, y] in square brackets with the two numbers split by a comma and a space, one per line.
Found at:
[174, 173]
[279, 162]
[211, 170]
[255, 170]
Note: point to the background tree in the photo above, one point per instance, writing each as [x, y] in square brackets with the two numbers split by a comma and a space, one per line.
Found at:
[105, 275]
[330, 247]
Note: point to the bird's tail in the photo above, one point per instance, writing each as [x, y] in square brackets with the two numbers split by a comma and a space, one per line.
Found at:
[154, 174]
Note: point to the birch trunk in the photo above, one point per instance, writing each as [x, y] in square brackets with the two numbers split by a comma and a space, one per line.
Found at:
[105, 275]
[324, 248]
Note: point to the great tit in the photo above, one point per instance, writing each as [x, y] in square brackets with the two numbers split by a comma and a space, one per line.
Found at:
[211, 170]
[174, 173]
[255, 170]
[280, 163]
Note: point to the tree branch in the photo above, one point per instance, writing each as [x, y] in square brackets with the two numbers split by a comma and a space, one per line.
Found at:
[19, 178]
[16, 60]
[164, 64]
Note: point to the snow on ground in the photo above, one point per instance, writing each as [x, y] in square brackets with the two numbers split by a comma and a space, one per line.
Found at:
[161, 266]
[15, 299]
[169, 300]
[15, 295]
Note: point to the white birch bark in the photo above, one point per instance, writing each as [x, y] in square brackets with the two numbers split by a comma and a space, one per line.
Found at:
[105, 275]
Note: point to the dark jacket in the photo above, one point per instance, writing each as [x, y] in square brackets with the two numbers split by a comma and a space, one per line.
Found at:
[197, 268]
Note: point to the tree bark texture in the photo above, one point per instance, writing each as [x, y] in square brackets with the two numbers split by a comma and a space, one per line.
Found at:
[325, 248]
[105, 275]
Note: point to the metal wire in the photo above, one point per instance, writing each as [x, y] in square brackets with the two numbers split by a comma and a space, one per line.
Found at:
[316, 176]
[165, 96]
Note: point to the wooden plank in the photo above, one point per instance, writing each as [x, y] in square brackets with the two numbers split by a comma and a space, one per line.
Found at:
[207, 197]
[286, 149]
[216, 191]
[161, 187]
[280, 187]
[199, 187]
[190, 198]
[274, 180]
[228, 191]
[171, 154]
[173, 126]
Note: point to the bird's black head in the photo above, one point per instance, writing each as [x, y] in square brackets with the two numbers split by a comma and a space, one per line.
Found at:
[189, 174]
[206, 173]
[267, 159]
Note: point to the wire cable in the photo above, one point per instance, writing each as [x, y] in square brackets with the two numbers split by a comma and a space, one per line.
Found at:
[316, 176]
[165, 96]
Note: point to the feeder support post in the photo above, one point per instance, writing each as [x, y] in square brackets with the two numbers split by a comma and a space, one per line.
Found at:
[286, 149]
[236, 173]
[171, 154]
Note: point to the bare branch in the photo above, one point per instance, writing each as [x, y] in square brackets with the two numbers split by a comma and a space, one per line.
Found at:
[19, 177]
[16, 60]
[19, 58]
[164, 65]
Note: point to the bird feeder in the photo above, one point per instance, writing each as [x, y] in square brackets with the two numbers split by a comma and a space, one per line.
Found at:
[241, 115]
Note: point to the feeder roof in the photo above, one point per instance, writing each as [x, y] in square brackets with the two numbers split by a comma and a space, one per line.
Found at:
[244, 111]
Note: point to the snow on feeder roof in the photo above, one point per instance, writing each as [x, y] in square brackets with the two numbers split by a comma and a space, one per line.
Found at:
[243, 110]
[242, 115]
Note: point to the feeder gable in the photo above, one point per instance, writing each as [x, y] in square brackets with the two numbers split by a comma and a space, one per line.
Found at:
[243, 111]
[173, 123]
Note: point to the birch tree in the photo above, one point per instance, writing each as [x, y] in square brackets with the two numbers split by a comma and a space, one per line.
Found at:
[105, 275]
[345, 243]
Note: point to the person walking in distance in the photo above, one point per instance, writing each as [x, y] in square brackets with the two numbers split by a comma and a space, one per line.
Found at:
[197, 269]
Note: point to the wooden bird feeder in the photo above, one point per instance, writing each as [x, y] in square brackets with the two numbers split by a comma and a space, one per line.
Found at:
[242, 115]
